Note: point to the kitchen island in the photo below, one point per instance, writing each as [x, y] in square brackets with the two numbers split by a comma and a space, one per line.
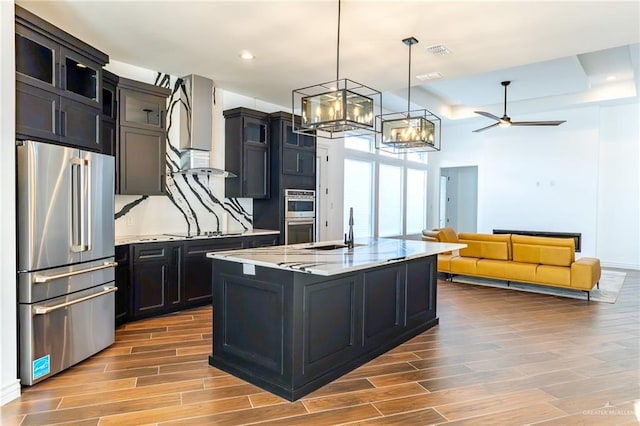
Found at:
[291, 319]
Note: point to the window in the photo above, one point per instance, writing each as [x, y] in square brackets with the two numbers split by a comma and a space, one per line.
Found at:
[399, 183]
[358, 193]
[416, 200]
[390, 205]
[359, 143]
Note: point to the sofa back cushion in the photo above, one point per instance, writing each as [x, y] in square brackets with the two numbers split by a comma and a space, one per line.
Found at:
[447, 235]
[543, 250]
[486, 246]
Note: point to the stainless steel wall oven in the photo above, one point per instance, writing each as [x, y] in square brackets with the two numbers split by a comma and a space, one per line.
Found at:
[299, 216]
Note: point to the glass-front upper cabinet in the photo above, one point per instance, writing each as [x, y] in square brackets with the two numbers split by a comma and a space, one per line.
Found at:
[255, 130]
[36, 57]
[43, 62]
[141, 109]
[296, 140]
[81, 77]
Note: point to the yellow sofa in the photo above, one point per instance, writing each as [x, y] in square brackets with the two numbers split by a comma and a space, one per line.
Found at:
[522, 258]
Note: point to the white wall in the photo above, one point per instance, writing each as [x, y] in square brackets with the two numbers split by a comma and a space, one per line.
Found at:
[9, 383]
[563, 178]
[618, 217]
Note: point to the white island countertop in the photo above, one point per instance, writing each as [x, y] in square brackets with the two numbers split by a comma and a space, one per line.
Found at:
[314, 258]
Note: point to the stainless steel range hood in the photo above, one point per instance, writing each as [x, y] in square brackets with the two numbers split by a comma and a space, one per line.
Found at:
[196, 118]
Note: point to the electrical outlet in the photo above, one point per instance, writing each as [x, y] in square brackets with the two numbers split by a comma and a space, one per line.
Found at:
[129, 220]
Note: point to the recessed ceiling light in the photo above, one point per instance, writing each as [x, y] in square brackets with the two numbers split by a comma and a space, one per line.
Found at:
[246, 55]
[438, 49]
[429, 76]
[611, 78]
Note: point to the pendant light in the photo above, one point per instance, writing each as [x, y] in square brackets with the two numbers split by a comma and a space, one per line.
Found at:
[336, 108]
[410, 131]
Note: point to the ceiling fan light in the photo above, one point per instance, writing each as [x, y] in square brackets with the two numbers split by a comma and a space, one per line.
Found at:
[503, 123]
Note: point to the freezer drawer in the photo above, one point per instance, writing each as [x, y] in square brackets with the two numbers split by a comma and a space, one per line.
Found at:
[38, 286]
[61, 332]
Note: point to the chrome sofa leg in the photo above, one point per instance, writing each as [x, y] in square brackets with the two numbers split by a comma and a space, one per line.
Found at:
[598, 284]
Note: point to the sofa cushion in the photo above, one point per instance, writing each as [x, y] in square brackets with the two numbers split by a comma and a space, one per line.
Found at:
[492, 268]
[486, 246]
[447, 235]
[556, 275]
[543, 250]
[463, 265]
[517, 271]
[444, 262]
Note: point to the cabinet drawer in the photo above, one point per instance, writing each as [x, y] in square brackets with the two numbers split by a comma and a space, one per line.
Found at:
[149, 253]
[200, 248]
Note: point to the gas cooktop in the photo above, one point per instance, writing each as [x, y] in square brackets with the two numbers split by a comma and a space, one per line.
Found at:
[203, 234]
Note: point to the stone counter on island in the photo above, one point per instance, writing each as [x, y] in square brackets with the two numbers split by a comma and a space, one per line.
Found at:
[291, 319]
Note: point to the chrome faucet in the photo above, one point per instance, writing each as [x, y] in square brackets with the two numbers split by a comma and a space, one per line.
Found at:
[349, 240]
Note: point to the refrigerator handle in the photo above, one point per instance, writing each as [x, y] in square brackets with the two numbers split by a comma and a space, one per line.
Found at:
[88, 200]
[39, 279]
[43, 310]
[76, 205]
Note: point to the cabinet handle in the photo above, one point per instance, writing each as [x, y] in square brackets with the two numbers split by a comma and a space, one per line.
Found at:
[63, 123]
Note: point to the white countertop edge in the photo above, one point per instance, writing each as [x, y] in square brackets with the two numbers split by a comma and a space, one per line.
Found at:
[159, 238]
[327, 270]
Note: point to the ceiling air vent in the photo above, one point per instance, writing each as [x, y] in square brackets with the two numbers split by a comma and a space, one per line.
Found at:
[438, 49]
[429, 76]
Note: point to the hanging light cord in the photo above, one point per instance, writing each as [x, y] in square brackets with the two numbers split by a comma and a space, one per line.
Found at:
[338, 46]
[409, 82]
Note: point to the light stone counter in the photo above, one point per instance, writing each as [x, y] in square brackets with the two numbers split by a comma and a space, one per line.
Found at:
[133, 239]
[314, 258]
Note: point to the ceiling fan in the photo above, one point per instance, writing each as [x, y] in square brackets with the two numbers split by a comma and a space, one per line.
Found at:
[505, 120]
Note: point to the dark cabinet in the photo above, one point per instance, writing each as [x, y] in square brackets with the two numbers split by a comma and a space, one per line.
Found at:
[123, 282]
[298, 162]
[247, 153]
[293, 166]
[261, 241]
[141, 147]
[108, 132]
[160, 277]
[58, 85]
[298, 151]
[197, 267]
[156, 278]
[141, 167]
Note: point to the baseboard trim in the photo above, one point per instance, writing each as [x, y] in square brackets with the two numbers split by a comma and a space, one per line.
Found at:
[621, 265]
[9, 392]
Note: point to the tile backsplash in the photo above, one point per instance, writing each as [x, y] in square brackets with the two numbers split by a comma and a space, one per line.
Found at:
[193, 203]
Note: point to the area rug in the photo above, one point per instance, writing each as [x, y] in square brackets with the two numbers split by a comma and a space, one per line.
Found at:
[610, 285]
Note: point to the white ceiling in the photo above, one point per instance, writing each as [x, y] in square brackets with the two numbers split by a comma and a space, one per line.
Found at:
[557, 54]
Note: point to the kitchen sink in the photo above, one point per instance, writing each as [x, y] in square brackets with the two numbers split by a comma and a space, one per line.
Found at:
[330, 246]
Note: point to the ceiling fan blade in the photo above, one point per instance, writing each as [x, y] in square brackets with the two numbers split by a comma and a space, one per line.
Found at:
[487, 114]
[537, 123]
[486, 128]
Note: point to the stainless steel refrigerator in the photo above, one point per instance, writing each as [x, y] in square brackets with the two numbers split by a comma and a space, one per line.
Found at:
[65, 214]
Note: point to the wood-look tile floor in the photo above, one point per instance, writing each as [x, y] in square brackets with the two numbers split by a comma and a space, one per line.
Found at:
[498, 357]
